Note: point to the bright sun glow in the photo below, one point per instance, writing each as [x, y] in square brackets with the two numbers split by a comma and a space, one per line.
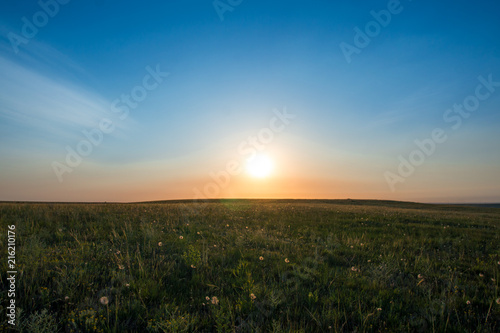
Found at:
[260, 166]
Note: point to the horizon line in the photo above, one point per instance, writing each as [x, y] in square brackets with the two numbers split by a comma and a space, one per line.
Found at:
[215, 200]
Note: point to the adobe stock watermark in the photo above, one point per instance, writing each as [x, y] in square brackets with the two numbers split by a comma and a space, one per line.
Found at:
[363, 38]
[120, 106]
[48, 9]
[247, 149]
[221, 6]
[454, 116]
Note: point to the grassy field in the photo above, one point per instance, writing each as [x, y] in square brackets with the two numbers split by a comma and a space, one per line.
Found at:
[254, 266]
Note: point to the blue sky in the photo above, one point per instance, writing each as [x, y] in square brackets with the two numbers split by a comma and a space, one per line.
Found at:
[225, 79]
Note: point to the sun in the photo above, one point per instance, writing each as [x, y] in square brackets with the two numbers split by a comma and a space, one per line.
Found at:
[260, 166]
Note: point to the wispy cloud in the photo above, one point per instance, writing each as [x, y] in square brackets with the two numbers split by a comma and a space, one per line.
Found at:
[38, 96]
[36, 100]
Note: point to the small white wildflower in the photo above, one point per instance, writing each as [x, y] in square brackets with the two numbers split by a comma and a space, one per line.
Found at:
[160, 244]
[286, 260]
[104, 300]
[261, 258]
[215, 300]
[180, 237]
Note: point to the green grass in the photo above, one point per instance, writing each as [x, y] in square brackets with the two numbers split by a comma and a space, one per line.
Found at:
[327, 266]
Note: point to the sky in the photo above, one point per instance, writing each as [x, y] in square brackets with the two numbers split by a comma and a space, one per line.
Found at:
[125, 101]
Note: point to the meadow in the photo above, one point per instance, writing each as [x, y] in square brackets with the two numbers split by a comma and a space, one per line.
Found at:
[253, 266]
